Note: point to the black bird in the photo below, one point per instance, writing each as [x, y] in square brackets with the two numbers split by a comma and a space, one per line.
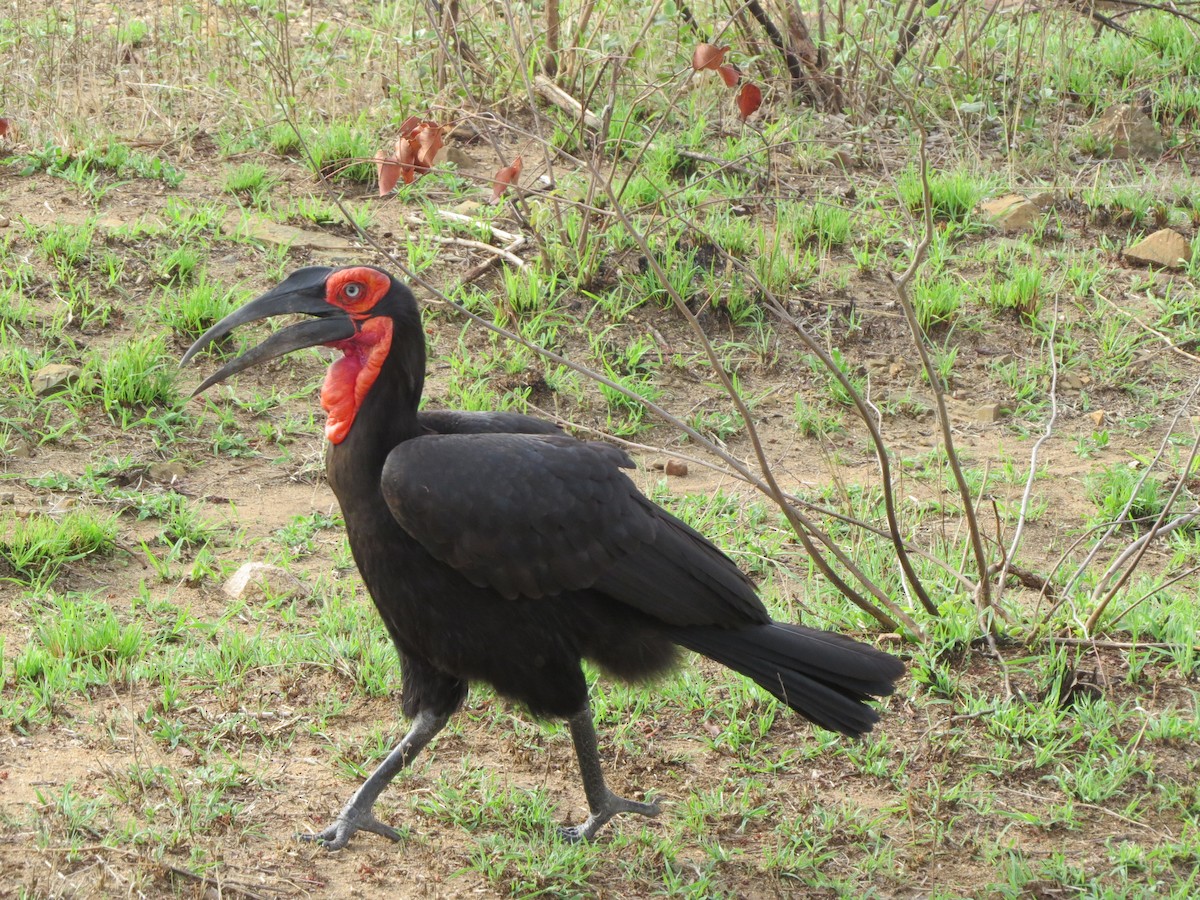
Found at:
[498, 549]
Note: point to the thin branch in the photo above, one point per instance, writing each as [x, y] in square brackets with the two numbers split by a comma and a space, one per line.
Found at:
[935, 384]
[1033, 460]
[1150, 593]
[1121, 518]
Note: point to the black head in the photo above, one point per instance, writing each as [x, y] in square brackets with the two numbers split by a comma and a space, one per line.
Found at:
[361, 310]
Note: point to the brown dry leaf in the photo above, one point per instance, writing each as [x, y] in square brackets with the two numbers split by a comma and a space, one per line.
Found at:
[749, 99]
[708, 56]
[428, 137]
[388, 170]
[406, 156]
[409, 125]
[504, 178]
[3, 128]
[729, 74]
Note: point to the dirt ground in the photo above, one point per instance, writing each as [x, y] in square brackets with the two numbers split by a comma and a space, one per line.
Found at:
[880, 820]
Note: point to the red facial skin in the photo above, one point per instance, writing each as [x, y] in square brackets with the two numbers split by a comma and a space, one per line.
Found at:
[357, 291]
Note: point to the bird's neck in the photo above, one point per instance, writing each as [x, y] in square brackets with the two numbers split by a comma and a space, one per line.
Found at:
[372, 405]
[349, 380]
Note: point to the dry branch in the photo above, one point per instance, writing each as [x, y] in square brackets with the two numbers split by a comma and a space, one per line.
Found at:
[552, 93]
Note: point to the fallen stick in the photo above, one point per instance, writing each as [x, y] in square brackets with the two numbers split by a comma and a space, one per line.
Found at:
[564, 101]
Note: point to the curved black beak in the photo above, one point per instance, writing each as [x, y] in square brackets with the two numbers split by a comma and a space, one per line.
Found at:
[302, 292]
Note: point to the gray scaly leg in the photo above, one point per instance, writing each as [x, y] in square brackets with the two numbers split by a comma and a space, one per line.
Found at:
[603, 804]
[356, 815]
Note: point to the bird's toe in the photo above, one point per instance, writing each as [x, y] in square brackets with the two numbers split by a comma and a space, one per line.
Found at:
[338, 835]
[574, 834]
[332, 838]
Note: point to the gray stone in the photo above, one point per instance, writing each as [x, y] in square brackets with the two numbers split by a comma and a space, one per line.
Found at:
[166, 472]
[256, 581]
[1013, 212]
[1128, 133]
[1165, 248]
[263, 229]
[988, 413]
[54, 377]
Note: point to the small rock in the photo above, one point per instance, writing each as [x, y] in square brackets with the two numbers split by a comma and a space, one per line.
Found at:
[1098, 418]
[842, 159]
[54, 377]
[7, 498]
[676, 468]
[263, 229]
[1128, 132]
[987, 413]
[1044, 201]
[256, 581]
[1071, 381]
[21, 449]
[1165, 248]
[166, 472]
[468, 208]
[461, 158]
[1012, 212]
[4, 221]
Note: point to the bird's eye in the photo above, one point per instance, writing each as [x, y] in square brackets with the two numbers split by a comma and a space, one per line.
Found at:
[353, 291]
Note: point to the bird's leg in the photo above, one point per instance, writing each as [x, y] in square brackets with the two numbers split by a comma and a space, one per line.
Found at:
[356, 815]
[603, 804]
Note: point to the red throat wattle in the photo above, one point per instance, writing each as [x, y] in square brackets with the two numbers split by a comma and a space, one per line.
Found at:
[349, 378]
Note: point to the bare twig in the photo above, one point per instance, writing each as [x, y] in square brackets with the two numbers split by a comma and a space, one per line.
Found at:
[943, 416]
[551, 92]
[1121, 518]
[1022, 515]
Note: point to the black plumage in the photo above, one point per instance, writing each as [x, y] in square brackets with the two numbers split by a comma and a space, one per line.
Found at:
[498, 549]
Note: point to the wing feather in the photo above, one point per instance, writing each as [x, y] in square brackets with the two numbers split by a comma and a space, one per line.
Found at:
[543, 515]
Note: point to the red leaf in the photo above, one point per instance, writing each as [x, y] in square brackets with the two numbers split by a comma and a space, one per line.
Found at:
[409, 126]
[504, 178]
[729, 74]
[3, 127]
[708, 56]
[388, 170]
[749, 99]
[406, 155]
[428, 137]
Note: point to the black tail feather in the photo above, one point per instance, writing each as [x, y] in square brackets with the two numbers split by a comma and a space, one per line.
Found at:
[826, 677]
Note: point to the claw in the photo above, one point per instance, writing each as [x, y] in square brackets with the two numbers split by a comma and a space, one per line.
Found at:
[598, 819]
[337, 835]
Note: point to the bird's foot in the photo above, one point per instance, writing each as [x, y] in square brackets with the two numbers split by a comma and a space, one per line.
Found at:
[599, 817]
[345, 826]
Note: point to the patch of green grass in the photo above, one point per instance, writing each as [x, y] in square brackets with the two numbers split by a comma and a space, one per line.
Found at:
[1019, 289]
[344, 152]
[192, 309]
[132, 33]
[249, 182]
[937, 301]
[316, 210]
[66, 246]
[177, 265]
[113, 158]
[282, 139]
[1113, 487]
[820, 221]
[137, 376]
[953, 195]
[36, 548]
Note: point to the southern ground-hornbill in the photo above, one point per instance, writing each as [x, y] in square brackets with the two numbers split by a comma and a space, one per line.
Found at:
[498, 549]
